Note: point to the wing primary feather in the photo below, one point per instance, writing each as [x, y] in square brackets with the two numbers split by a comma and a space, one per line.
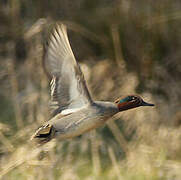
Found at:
[68, 86]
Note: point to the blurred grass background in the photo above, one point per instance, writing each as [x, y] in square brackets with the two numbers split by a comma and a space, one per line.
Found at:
[123, 47]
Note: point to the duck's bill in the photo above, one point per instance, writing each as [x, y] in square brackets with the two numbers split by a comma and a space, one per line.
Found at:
[146, 104]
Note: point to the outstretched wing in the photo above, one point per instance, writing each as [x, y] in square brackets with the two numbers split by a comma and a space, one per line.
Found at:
[68, 86]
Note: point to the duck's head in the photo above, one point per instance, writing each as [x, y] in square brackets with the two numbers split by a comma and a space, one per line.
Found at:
[130, 101]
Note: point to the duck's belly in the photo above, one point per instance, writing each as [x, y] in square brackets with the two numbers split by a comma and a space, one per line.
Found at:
[67, 128]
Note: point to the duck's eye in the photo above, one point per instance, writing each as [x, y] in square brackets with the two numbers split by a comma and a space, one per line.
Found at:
[133, 98]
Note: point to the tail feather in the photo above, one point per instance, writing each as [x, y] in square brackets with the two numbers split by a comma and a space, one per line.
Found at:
[44, 134]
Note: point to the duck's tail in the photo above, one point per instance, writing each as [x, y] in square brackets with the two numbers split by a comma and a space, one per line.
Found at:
[44, 134]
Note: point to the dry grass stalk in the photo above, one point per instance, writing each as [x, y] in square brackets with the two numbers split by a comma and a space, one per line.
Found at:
[14, 89]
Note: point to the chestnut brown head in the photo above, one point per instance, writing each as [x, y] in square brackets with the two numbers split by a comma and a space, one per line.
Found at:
[130, 101]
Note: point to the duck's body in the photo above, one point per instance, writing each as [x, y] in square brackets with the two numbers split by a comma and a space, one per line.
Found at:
[83, 120]
[74, 110]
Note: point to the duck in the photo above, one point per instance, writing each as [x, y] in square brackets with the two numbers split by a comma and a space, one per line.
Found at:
[74, 111]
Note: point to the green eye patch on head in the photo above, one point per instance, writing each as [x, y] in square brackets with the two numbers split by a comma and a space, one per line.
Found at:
[126, 99]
